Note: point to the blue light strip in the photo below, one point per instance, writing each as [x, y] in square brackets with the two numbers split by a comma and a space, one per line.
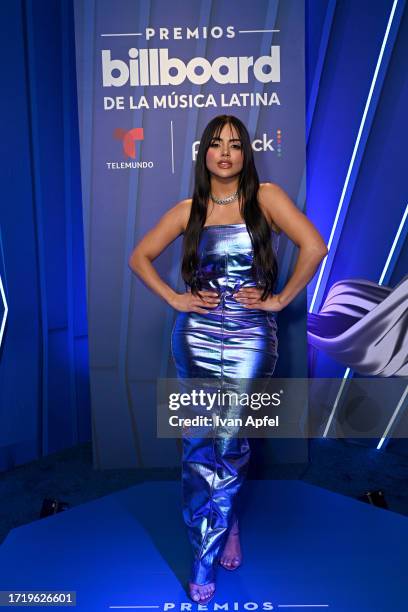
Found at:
[396, 248]
[392, 258]
[3, 291]
[3, 322]
[319, 289]
[393, 418]
[336, 402]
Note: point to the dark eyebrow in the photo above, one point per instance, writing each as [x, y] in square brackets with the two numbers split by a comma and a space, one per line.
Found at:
[230, 139]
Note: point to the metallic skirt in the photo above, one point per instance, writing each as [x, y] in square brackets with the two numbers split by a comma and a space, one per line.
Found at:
[230, 343]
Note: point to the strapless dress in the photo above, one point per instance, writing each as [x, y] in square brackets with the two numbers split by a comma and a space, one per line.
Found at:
[230, 343]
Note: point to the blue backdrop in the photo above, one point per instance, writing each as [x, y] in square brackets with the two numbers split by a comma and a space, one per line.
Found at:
[44, 401]
[129, 326]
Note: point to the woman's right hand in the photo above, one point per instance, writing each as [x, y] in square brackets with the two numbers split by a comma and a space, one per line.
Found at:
[188, 302]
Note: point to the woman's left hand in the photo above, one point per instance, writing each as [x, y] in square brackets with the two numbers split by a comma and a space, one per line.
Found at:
[250, 297]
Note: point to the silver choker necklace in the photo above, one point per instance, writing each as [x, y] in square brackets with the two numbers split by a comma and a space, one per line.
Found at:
[227, 200]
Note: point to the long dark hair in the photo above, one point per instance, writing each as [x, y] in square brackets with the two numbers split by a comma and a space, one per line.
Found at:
[264, 267]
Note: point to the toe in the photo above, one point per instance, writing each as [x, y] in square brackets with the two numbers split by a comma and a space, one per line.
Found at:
[206, 592]
[194, 592]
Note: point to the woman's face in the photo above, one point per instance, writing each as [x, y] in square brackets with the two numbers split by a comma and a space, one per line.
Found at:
[225, 156]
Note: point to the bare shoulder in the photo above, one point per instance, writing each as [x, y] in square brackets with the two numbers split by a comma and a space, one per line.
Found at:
[278, 206]
[179, 214]
[184, 209]
[268, 194]
[169, 227]
[269, 188]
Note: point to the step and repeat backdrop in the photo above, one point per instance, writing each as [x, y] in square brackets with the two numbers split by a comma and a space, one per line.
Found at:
[150, 75]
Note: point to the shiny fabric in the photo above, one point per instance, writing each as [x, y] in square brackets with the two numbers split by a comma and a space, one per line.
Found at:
[232, 344]
[364, 326]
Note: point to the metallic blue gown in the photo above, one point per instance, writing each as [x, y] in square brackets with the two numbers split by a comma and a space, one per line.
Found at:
[231, 343]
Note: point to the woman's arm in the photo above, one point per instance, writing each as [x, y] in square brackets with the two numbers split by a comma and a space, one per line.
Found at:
[154, 242]
[282, 212]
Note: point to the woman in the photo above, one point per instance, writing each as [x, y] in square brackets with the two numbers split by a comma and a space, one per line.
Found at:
[226, 326]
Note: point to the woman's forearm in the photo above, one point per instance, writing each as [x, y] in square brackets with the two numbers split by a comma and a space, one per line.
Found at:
[306, 265]
[143, 267]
